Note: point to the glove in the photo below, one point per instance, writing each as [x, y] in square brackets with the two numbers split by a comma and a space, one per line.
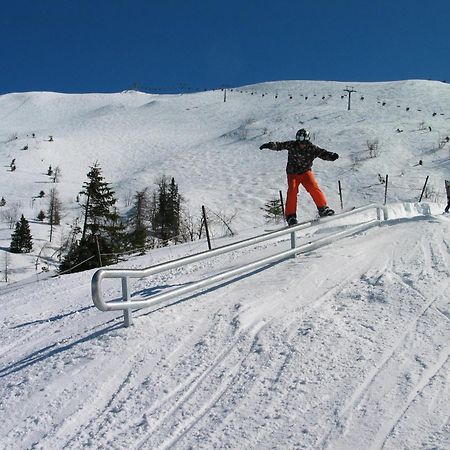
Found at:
[334, 157]
[267, 145]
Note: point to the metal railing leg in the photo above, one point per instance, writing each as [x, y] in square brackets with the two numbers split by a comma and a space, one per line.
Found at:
[127, 313]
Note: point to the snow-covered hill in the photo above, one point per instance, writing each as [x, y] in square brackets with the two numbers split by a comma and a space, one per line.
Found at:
[343, 348]
[211, 147]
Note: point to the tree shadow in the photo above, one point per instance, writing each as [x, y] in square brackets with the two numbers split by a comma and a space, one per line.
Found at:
[53, 318]
[54, 349]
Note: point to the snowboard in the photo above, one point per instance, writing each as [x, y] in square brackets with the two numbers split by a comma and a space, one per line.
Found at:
[317, 219]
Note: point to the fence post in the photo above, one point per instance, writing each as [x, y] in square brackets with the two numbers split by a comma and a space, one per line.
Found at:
[282, 203]
[127, 313]
[424, 187]
[385, 189]
[206, 227]
[98, 251]
[340, 194]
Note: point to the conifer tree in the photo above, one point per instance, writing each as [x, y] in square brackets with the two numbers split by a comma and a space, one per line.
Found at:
[15, 240]
[138, 218]
[27, 240]
[174, 202]
[273, 209]
[159, 219]
[2, 201]
[166, 217]
[21, 239]
[102, 229]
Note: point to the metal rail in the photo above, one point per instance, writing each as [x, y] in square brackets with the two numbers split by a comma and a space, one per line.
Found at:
[126, 304]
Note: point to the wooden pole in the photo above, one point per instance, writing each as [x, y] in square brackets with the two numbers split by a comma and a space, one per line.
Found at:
[6, 267]
[385, 189]
[340, 194]
[282, 203]
[424, 187]
[206, 227]
[98, 251]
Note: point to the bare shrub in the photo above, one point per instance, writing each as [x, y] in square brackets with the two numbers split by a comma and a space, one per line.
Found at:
[373, 147]
[11, 214]
[442, 142]
[422, 126]
[433, 195]
[223, 220]
[191, 227]
[12, 137]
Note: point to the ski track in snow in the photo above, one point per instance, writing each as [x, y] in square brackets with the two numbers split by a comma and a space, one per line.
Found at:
[378, 386]
[286, 358]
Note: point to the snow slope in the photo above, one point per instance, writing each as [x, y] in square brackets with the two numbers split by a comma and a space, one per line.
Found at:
[346, 347]
[343, 348]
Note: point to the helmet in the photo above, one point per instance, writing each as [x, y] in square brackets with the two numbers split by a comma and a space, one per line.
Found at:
[302, 135]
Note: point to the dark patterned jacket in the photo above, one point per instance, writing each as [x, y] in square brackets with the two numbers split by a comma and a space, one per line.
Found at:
[301, 154]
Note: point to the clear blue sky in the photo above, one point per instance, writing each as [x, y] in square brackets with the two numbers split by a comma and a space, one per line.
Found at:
[107, 45]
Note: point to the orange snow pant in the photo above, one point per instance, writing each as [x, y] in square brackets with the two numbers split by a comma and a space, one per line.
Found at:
[308, 180]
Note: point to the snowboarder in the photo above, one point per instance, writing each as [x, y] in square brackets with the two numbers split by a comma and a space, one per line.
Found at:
[301, 154]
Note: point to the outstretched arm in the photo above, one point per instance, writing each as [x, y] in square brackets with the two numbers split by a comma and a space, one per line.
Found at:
[277, 145]
[326, 155]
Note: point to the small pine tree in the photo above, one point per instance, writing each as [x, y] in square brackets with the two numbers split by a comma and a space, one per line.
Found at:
[273, 210]
[41, 194]
[41, 216]
[50, 171]
[21, 239]
[2, 201]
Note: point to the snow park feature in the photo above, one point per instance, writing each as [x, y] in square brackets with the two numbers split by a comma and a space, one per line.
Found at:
[126, 304]
[343, 347]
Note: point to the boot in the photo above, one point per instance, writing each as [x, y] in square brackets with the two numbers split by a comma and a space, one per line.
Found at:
[325, 211]
[291, 220]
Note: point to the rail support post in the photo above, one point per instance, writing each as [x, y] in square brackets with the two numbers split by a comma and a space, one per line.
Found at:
[293, 242]
[127, 313]
[379, 213]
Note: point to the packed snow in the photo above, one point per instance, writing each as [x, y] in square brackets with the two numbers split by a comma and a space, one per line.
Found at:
[343, 347]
